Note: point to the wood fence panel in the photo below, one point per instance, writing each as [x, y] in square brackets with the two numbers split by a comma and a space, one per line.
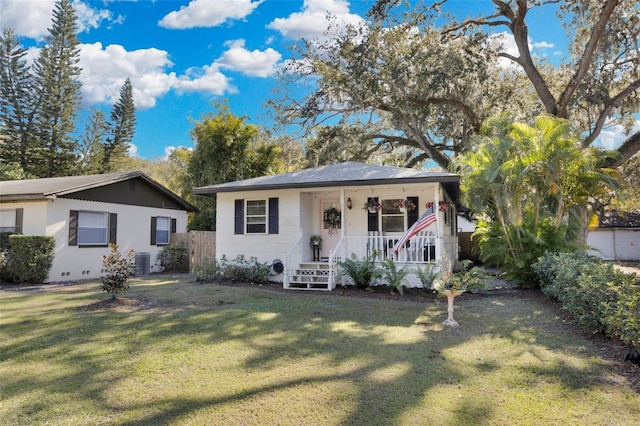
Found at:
[201, 245]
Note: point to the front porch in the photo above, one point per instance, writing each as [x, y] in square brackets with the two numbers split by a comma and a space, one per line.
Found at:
[301, 273]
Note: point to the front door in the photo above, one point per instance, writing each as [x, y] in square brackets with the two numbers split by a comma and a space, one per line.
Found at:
[330, 233]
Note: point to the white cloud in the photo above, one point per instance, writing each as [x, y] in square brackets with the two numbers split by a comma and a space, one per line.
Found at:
[254, 63]
[207, 13]
[505, 43]
[169, 149]
[612, 137]
[132, 151]
[39, 13]
[104, 72]
[205, 79]
[312, 22]
[105, 69]
[543, 45]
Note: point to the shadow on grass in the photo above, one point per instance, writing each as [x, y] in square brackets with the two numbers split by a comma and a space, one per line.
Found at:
[392, 354]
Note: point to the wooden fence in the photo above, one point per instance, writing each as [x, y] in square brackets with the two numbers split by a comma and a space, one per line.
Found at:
[201, 245]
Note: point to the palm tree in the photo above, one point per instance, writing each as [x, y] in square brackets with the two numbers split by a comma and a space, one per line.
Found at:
[532, 184]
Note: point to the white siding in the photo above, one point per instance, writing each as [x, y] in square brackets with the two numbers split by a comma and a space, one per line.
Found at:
[74, 263]
[615, 244]
[299, 212]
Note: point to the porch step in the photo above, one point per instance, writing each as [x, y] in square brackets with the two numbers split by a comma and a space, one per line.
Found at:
[310, 276]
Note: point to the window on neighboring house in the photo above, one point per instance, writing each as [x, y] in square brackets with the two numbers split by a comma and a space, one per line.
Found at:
[256, 218]
[92, 228]
[392, 219]
[11, 221]
[161, 229]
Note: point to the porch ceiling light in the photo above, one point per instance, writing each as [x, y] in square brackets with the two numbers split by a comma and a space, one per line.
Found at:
[349, 203]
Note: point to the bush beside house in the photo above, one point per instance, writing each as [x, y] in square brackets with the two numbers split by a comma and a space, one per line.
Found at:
[599, 296]
[26, 259]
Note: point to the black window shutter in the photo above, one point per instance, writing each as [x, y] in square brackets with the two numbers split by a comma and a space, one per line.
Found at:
[273, 215]
[154, 227]
[238, 227]
[372, 218]
[73, 228]
[174, 225]
[19, 214]
[413, 215]
[113, 228]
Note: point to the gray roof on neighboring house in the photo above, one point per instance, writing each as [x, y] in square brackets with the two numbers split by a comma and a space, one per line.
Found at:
[616, 219]
[341, 174]
[37, 189]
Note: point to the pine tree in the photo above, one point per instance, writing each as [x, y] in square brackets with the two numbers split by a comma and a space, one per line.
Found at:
[91, 148]
[123, 122]
[18, 103]
[57, 72]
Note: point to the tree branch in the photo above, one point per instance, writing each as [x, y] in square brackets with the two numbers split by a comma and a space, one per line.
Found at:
[586, 58]
[604, 114]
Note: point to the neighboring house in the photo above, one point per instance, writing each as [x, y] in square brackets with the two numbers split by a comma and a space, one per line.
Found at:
[86, 213]
[273, 217]
[617, 237]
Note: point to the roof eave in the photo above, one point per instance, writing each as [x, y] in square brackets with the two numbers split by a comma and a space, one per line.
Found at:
[212, 190]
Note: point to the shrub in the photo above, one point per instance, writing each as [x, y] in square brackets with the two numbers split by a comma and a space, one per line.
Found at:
[208, 270]
[596, 294]
[395, 277]
[118, 270]
[427, 276]
[172, 258]
[30, 258]
[362, 271]
[238, 269]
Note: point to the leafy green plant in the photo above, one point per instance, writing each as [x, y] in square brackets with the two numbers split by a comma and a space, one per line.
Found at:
[30, 258]
[315, 240]
[172, 257]
[362, 271]
[118, 270]
[468, 278]
[239, 269]
[427, 276]
[597, 295]
[395, 277]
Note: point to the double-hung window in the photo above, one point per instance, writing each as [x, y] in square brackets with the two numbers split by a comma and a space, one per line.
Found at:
[163, 229]
[256, 219]
[92, 228]
[393, 220]
[11, 221]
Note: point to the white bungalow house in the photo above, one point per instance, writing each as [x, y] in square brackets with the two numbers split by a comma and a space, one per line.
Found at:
[86, 213]
[273, 217]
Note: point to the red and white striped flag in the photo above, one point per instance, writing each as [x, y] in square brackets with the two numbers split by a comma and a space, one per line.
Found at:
[427, 218]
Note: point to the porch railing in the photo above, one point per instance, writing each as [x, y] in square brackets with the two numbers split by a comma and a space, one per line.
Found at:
[291, 261]
[419, 249]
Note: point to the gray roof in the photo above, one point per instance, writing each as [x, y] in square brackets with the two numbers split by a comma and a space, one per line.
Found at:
[618, 219]
[342, 174]
[36, 189]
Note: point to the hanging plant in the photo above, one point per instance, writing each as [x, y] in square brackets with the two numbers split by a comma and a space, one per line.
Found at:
[372, 206]
[332, 217]
[404, 205]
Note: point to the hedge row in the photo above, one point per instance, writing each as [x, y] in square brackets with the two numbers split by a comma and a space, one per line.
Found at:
[26, 258]
[597, 294]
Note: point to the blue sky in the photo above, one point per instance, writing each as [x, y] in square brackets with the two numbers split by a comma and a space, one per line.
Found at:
[183, 55]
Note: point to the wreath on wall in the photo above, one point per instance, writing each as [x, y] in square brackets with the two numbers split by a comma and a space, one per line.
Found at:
[332, 217]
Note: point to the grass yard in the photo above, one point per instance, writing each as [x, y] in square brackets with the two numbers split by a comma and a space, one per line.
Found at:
[187, 353]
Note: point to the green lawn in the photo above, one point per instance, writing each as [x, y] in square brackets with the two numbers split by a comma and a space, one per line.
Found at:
[205, 354]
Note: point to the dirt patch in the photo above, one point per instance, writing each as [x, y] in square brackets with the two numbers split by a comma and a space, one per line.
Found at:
[121, 303]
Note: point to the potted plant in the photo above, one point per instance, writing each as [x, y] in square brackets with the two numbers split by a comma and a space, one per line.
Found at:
[444, 206]
[315, 240]
[372, 206]
[316, 244]
[454, 284]
[404, 205]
